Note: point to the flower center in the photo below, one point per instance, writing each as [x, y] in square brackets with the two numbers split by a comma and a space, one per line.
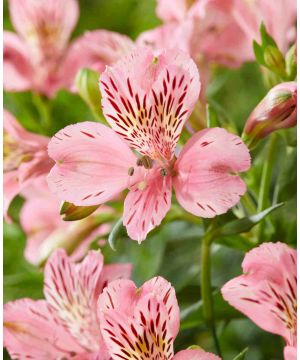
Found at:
[14, 153]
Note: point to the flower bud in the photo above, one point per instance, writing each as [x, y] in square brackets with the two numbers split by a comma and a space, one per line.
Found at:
[274, 59]
[277, 110]
[71, 212]
[291, 62]
[87, 85]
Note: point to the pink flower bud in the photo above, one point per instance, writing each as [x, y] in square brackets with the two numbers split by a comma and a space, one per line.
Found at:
[277, 110]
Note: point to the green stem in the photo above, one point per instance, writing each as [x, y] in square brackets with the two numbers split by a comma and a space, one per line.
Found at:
[206, 290]
[265, 184]
[248, 203]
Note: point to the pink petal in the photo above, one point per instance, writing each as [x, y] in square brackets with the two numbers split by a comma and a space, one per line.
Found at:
[204, 184]
[147, 97]
[168, 36]
[92, 164]
[95, 49]
[147, 204]
[290, 353]
[131, 319]
[114, 272]
[39, 218]
[30, 332]
[164, 291]
[72, 292]
[266, 293]
[176, 12]
[119, 295]
[195, 355]
[17, 74]
[13, 128]
[11, 188]
[30, 16]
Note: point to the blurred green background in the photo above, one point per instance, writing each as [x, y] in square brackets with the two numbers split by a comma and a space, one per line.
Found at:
[172, 250]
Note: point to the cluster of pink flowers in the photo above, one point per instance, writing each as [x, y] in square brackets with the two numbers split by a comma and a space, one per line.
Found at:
[91, 312]
[94, 312]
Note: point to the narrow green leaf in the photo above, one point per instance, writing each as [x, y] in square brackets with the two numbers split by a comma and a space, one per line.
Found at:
[192, 316]
[259, 53]
[265, 37]
[235, 242]
[241, 355]
[245, 224]
[115, 233]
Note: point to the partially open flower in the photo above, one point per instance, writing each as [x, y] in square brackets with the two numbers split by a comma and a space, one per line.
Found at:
[277, 110]
[25, 157]
[46, 231]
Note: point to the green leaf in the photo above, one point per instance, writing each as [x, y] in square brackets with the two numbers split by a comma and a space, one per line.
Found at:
[245, 224]
[235, 242]
[192, 316]
[265, 37]
[115, 233]
[71, 212]
[259, 53]
[241, 355]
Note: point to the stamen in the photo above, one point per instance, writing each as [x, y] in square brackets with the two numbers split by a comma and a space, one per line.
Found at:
[155, 60]
[163, 172]
[145, 161]
[131, 171]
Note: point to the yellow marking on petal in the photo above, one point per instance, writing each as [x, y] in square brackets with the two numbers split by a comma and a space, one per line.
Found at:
[15, 327]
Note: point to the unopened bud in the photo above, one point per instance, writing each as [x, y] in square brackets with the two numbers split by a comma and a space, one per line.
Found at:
[71, 212]
[274, 59]
[277, 110]
[87, 84]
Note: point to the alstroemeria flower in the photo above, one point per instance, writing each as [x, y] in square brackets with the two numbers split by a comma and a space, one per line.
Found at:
[25, 158]
[267, 291]
[65, 325]
[142, 323]
[46, 231]
[39, 58]
[147, 98]
[222, 30]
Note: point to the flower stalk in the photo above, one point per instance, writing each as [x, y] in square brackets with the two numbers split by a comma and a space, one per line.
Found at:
[265, 184]
[206, 288]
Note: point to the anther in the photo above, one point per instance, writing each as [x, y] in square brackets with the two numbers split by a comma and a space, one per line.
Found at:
[145, 161]
[131, 171]
[163, 172]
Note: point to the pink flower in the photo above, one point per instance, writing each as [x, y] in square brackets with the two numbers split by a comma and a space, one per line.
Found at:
[147, 98]
[266, 293]
[39, 58]
[25, 158]
[222, 30]
[142, 323]
[46, 231]
[65, 325]
[250, 14]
